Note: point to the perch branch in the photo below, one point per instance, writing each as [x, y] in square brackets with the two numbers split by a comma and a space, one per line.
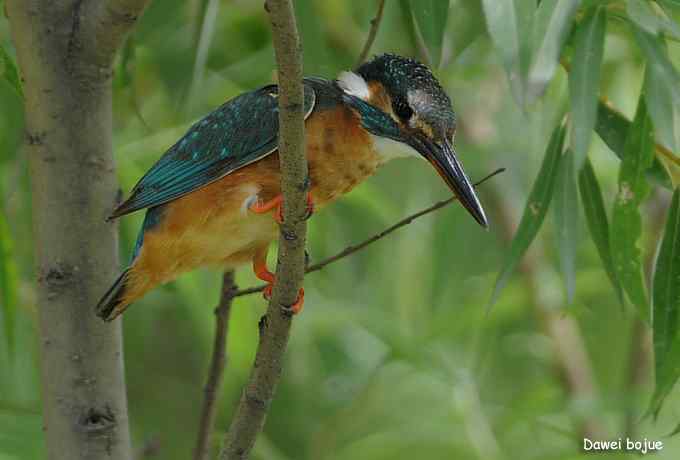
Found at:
[372, 33]
[275, 325]
[349, 250]
[217, 365]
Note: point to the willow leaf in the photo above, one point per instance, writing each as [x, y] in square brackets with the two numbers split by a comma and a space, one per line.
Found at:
[507, 25]
[534, 211]
[662, 88]
[551, 27]
[431, 16]
[666, 296]
[596, 218]
[566, 220]
[626, 220]
[584, 80]
[613, 127]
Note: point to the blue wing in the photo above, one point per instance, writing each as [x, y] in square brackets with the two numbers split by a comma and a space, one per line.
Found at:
[243, 130]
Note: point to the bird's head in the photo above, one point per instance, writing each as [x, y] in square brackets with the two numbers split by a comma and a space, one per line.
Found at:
[400, 100]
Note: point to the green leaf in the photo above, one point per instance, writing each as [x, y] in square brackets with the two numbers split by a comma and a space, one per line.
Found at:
[596, 218]
[566, 220]
[126, 60]
[8, 283]
[467, 27]
[666, 297]
[665, 112]
[613, 127]
[670, 4]
[534, 211]
[430, 17]
[551, 27]
[10, 72]
[666, 377]
[508, 25]
[642, 14]
[626, 221]
[662, 88]
[584, 80]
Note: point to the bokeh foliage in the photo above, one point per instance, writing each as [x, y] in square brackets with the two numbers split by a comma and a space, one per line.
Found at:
[395, 355]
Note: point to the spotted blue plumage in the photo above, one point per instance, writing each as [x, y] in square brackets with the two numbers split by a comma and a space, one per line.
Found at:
[241, 131]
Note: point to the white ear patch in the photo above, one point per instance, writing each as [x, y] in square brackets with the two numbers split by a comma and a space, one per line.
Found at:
[354, 84]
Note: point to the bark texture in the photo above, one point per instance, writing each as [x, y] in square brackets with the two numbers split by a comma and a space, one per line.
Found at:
[65, 62]
[290, 270]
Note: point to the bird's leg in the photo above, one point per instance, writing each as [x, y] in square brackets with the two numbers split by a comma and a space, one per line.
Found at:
[261, 208]
[310, 205]
[277, 203]
[263, 273]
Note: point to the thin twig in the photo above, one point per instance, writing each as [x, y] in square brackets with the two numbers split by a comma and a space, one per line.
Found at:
[372, 33]
[349, 250]
[275, 325]
[217, 365]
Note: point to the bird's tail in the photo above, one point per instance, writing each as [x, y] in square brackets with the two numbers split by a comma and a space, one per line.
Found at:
[113, 303]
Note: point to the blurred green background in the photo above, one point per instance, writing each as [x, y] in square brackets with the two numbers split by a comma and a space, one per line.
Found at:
[395, 356]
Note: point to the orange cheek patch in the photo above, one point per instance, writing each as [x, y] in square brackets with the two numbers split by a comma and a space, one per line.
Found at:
[380, 98]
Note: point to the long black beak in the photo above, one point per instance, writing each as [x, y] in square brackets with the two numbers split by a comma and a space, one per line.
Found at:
[443, 158]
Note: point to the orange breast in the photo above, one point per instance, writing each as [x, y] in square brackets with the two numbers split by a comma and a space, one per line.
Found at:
[340, 153]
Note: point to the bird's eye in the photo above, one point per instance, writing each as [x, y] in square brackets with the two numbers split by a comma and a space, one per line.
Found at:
[403, 111]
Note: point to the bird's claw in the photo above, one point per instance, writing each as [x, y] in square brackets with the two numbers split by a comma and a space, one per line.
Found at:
[277, 203]
[293, 309]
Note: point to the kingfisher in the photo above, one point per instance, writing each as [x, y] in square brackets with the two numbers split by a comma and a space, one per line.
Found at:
[214, 198]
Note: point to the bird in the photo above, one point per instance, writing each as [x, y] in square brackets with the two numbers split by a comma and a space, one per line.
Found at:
[214, 198]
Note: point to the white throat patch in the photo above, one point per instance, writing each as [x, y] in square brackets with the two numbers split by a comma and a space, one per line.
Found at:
[389, 149]
[354, 84]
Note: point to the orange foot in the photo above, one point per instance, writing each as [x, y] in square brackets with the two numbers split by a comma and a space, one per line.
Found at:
[277, 203]
[261, 271]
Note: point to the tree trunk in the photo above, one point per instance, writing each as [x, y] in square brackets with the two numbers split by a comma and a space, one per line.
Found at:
[66, 67]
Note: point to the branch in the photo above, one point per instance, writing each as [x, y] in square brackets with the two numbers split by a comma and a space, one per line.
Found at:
[110, 23]
[349, 250]
[217, 364]
[375, 23]
[275, 325]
